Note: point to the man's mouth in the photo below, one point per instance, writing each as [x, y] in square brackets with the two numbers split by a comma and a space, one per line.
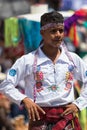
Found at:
[57, 40]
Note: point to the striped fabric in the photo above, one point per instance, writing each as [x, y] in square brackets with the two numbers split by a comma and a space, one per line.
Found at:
[54, 121]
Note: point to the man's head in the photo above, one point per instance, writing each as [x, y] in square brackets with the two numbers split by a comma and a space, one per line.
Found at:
[52, 28]
[51, 19]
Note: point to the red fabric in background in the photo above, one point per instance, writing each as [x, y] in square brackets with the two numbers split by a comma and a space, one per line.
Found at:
[15, 52]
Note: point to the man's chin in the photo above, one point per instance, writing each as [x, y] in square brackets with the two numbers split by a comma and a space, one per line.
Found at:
[56, 45]
[57, 42]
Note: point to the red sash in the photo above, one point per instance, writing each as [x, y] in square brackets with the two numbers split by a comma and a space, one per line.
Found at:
[53, 115]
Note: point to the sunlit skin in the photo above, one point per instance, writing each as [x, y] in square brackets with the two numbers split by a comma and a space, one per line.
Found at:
[52, 40]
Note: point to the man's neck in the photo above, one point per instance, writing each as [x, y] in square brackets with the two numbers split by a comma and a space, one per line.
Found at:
[52, 54]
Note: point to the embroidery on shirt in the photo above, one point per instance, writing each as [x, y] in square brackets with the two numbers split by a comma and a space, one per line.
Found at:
[69, 74]
[39, 86]
[39, 79]
[69, 77]
[68, 86]
[53, 88]
[12, 72]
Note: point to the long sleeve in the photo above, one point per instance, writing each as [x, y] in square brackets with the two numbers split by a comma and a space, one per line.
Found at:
[81, 75]
[15, 74]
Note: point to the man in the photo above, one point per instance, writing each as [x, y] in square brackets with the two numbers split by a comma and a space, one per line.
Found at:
[49, 74]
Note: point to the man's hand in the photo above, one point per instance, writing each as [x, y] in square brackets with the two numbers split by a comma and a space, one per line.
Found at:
[33, 109]
[71, 108]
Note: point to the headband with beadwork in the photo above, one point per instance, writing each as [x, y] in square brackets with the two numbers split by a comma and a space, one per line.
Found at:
[51, 19]
[45, 27]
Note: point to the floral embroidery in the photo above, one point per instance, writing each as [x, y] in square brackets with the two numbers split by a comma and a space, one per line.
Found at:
[39, 86]
[69, 76]
[68, 86]
[39, 76]
[39, 79]
[53, 88]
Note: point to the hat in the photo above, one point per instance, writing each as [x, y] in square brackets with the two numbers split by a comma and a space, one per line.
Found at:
[51, 17]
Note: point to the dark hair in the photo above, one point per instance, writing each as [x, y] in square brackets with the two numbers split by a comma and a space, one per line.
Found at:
[51, 17]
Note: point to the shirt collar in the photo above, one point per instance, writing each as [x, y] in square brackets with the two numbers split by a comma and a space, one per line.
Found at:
[43, 58]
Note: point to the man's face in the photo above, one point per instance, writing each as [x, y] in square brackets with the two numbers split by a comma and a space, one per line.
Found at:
[53, 36]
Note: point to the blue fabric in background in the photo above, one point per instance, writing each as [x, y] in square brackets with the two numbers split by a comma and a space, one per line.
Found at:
[31, 33]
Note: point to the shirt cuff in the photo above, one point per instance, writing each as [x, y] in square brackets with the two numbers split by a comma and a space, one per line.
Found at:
[81, 103]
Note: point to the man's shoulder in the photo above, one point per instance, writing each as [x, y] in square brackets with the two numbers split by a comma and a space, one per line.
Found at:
[30, 54]
[75, 56]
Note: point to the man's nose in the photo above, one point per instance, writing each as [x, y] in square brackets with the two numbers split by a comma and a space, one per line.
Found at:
[58, 33]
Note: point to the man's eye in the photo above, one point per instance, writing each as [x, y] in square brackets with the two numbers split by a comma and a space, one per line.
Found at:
[61, 30]
[53, 31]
